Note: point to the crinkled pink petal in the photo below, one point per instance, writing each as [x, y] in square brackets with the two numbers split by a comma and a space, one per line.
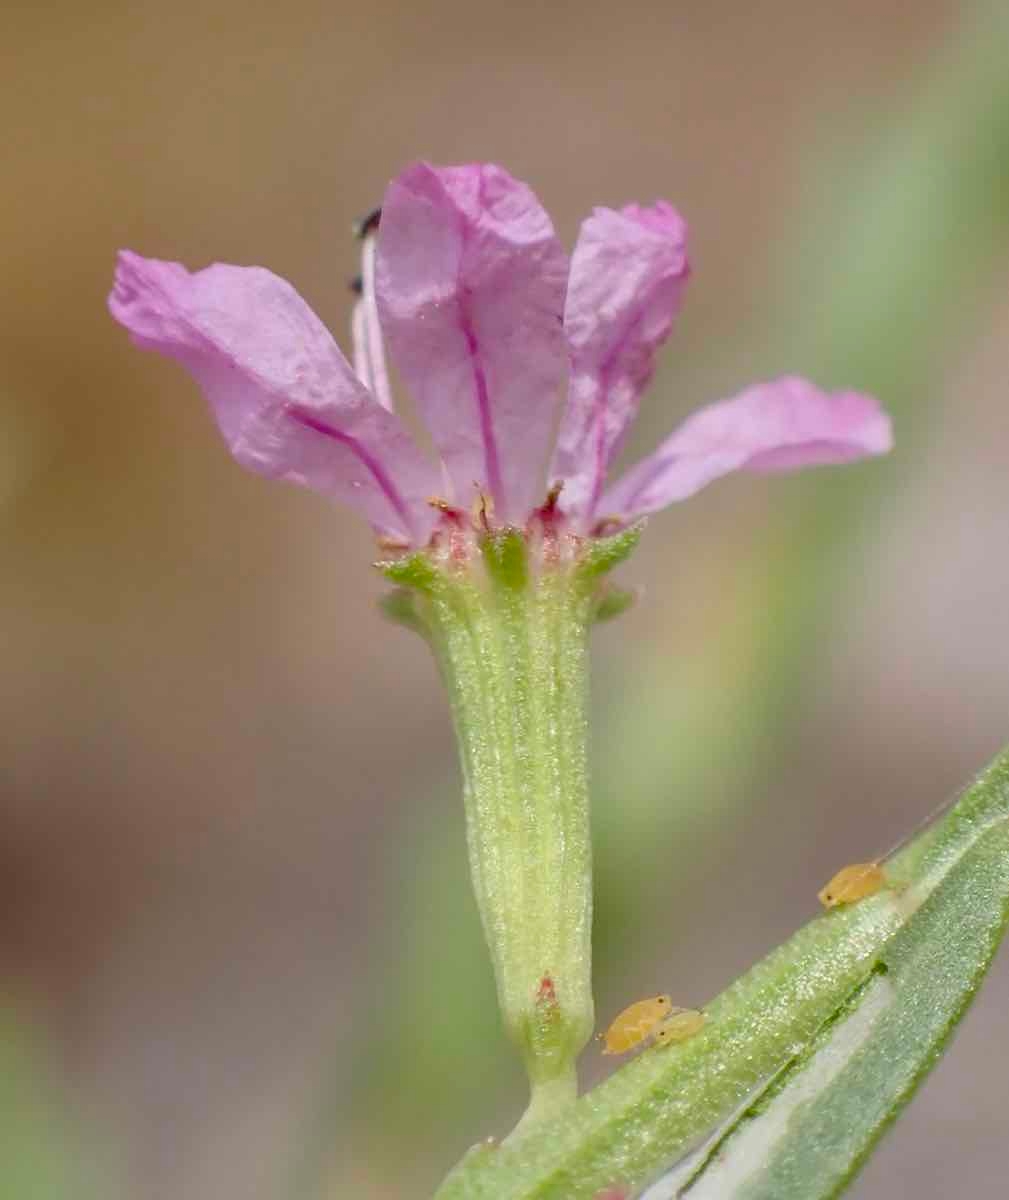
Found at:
[778, 426]
[627, 276]
[471, 285]
[285, 398]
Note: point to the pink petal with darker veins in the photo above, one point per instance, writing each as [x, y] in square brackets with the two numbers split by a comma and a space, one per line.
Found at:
[777, 426]
[627, 277]
[470, 280]
[285, 398]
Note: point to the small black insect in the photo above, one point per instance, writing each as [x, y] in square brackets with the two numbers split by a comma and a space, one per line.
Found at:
[356, 285]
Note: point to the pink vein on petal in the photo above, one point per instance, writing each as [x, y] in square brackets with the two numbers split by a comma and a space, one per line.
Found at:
[493, 481]
[368, 461]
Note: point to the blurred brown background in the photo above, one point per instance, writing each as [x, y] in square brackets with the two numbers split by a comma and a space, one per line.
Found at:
[234, 919]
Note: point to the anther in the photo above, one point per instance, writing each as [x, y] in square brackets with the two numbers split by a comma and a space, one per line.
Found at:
[449, 511]
[549, 506]
[366, 225]
[483, 509]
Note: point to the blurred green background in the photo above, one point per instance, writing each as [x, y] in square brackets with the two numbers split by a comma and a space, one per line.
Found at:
[238, 952]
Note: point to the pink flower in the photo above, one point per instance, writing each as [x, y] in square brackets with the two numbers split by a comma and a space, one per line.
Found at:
[500, 340]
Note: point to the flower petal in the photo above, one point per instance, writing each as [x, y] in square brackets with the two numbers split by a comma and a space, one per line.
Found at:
[778, 426]
[471, 285]
[627, 276]
[285, 398]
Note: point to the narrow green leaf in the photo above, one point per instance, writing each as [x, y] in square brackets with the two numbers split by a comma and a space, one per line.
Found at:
[652, 1111]
[807, 1136]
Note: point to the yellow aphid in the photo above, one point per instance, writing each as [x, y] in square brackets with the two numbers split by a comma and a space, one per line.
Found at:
[852, 883]
[630, 1027]
[681, 1025]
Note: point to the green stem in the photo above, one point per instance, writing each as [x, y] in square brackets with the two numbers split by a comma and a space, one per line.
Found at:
[548, 1095]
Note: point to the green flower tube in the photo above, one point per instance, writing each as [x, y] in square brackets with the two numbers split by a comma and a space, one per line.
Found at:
[507, 614]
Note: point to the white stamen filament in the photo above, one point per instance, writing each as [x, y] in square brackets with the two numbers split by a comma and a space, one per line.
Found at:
[369, 353]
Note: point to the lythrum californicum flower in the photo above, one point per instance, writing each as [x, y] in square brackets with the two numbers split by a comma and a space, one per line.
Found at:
[527, 367]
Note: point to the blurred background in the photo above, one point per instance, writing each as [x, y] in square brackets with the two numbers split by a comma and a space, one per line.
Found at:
[238, 952]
